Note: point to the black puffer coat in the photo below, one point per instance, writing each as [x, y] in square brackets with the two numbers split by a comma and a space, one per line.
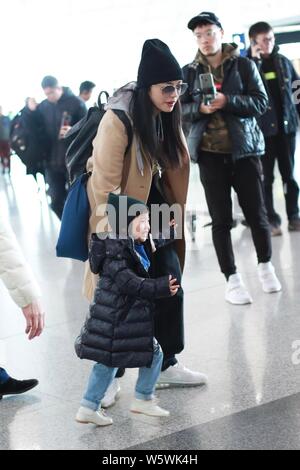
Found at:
[119, 329]
[246, 101]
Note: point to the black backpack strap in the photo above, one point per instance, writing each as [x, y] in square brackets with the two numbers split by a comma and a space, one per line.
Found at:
[126, 121]
[100, 103]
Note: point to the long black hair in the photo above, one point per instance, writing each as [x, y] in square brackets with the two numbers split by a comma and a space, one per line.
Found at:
[170, 150]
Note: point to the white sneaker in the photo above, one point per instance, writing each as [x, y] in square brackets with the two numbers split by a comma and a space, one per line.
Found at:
[268, 278]
[88, 416]
[236, 292]
[112, 394]
[180, 376]
[148, 407]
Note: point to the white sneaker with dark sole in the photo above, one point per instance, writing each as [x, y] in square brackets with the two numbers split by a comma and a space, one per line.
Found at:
[87, 416]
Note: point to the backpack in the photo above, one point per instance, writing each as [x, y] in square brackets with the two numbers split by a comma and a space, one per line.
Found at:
[80, 137]
[73, 236]
[27, 140]
[18, 136]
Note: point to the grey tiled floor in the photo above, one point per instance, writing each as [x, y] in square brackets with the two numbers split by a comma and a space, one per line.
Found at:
[246, 351]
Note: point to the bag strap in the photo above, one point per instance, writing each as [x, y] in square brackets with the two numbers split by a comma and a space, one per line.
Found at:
[126, 121]
[105, 93]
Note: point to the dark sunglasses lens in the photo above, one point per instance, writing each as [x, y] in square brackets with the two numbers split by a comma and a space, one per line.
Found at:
[168, 90]
[180, 89]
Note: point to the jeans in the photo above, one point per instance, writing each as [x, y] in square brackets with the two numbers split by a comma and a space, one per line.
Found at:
[102, 376]
[219, 174]
[281, 148]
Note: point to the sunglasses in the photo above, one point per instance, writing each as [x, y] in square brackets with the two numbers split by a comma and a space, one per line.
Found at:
[180, 89]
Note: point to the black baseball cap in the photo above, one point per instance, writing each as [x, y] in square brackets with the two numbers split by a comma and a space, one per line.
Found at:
[202, 18]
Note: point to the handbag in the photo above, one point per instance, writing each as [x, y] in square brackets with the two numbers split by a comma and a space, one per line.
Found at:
[73, 236]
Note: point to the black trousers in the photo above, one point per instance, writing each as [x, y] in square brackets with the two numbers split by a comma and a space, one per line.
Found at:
[57, 181]
[281, 148]
[219, 174]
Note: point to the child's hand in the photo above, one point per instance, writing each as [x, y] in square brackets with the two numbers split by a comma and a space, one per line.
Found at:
[174, 287]
[173, 223]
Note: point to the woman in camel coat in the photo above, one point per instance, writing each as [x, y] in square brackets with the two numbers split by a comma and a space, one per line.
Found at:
[154, 169]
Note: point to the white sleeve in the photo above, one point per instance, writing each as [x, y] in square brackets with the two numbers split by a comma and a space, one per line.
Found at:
[14, 271]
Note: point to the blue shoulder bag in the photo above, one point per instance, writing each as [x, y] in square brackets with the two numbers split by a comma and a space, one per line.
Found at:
[73, 235]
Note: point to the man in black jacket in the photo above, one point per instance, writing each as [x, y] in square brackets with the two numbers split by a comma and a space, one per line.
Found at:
[226, 141]
[61, 110]
[279, 124]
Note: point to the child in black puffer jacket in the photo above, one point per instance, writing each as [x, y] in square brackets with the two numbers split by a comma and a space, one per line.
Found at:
[118, 331]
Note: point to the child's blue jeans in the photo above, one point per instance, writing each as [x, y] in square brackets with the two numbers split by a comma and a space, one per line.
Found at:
[102, 376]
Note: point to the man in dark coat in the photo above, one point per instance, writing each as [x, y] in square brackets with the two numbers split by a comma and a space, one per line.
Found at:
[61, 110]
[119, 330]
[226, 142]
[279, 124]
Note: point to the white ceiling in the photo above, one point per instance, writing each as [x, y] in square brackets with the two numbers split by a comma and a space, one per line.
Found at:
[101, 40]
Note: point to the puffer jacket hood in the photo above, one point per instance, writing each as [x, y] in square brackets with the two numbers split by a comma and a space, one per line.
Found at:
[111, 248]
[229, 51]
[121, 100]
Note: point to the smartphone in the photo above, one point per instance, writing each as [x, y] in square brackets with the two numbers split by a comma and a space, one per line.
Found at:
[207, 87]
[66, 119]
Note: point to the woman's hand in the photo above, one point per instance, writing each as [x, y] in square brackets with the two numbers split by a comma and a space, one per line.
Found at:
[173, 286]
[35, 319]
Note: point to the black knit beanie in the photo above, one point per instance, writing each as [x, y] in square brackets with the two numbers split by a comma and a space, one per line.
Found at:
[158, 65]
[120, 219]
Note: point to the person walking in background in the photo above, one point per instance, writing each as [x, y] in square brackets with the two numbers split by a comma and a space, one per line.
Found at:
[57, 113]
[279, 124]
[4, 142]
[28, 140]
[85, 91]
[227, 143]
[25, 292]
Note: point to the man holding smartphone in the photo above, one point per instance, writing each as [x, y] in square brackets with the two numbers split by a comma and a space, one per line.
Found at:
[227, 143]
[279, 124]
